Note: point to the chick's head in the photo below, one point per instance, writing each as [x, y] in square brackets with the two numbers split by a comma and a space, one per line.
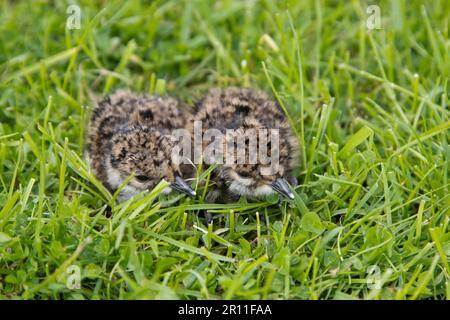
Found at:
[263, 161]
[147, 154]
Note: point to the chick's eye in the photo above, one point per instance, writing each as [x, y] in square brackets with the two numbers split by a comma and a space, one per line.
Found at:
[244, 174]
[142, 178]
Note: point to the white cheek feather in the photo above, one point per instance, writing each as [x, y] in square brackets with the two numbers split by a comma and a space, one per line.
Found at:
[114, 178]
[115, 181]
[263, 191]
[244, 181]
[238, 188]
[241, 186]
[238, 180]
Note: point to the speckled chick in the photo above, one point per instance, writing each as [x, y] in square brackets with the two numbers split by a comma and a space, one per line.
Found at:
[243, 109]
[130, 134]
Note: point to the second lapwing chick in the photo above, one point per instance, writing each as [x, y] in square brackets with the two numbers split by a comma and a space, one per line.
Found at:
[129, 134]
[239, 110]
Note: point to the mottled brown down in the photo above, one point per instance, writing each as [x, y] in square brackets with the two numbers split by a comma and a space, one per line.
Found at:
[126, 135]
[243, 109]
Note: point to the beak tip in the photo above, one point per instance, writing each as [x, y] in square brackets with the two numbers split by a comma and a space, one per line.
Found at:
[282, 187]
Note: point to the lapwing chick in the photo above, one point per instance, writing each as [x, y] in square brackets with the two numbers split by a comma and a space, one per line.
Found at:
[130, 134]
[248, 113]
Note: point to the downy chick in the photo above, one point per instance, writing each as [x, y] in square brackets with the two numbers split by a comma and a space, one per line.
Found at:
[130, 134]
[241, 110]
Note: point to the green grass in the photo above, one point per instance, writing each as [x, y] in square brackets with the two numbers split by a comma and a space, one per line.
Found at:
[370, 109]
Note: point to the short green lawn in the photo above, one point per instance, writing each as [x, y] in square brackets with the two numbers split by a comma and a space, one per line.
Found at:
[370, 105]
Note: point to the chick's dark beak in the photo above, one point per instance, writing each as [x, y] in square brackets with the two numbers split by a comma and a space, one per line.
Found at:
[181, 186]
[282, 187]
